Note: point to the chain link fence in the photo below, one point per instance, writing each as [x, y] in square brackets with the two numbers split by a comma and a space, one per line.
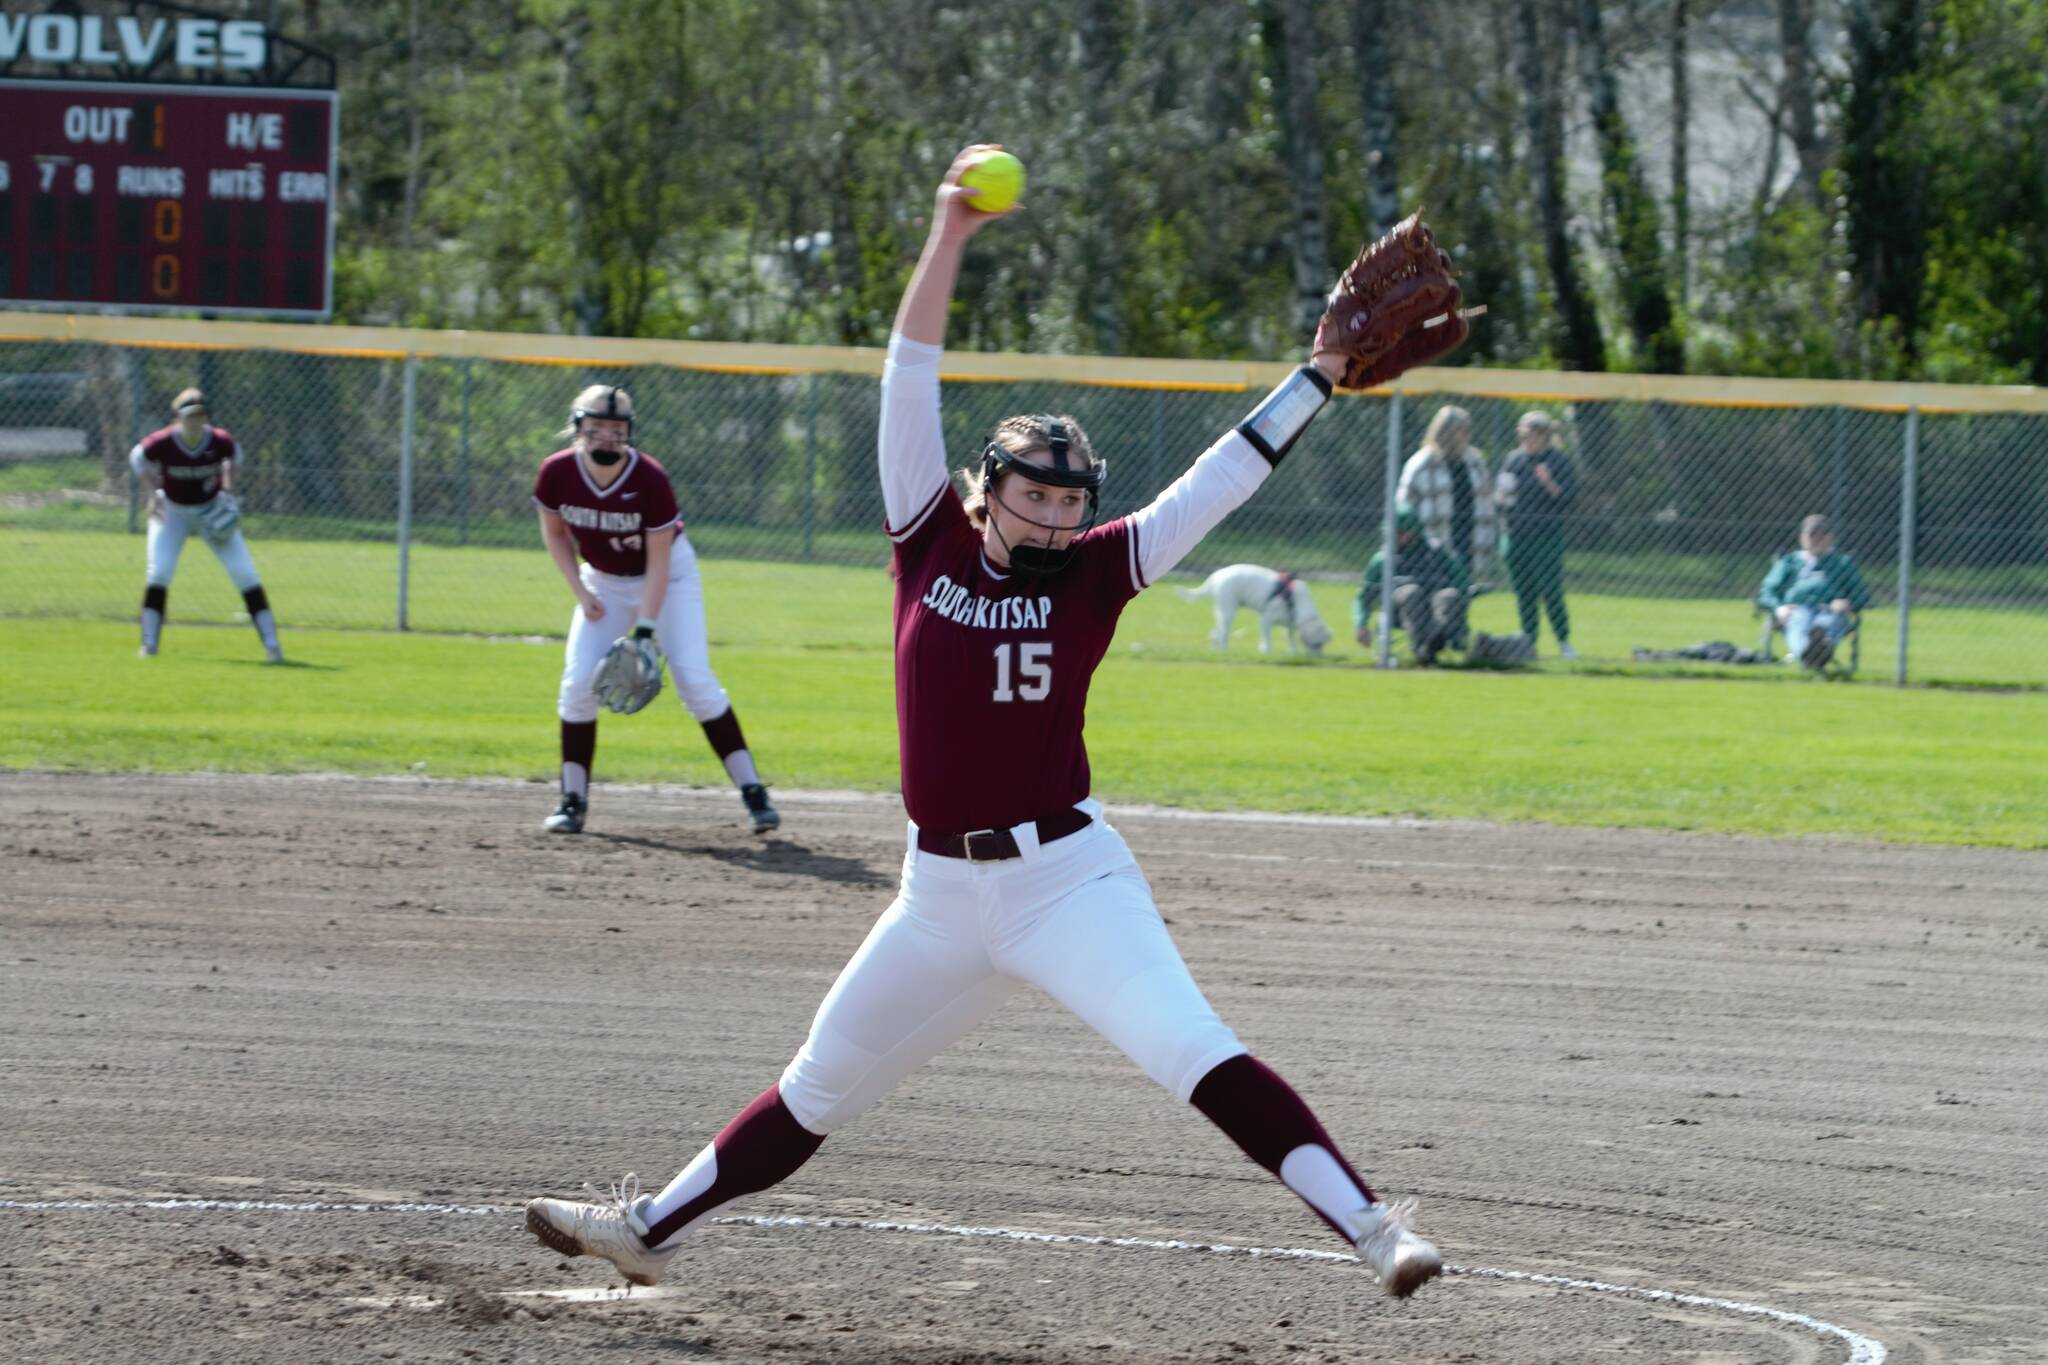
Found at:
[393, 489]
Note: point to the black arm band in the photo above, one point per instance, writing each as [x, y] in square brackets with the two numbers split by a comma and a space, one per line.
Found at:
[1277, 423]
[643, 632]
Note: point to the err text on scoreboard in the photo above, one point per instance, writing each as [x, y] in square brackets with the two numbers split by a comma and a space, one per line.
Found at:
[159, 198]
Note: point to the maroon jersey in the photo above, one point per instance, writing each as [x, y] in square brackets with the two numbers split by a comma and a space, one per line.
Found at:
[992, 669]
[610, 524]
[190, 477]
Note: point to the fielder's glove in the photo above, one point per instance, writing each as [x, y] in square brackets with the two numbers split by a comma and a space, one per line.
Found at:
[1395, 308]
[630, 675]
[219, 518]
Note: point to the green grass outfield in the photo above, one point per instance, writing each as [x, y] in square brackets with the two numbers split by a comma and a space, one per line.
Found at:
[805, 652]
[354, 584]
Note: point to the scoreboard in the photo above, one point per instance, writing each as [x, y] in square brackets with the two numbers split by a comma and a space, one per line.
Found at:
[161, 198]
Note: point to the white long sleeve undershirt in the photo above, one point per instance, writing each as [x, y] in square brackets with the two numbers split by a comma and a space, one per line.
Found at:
[912, 452]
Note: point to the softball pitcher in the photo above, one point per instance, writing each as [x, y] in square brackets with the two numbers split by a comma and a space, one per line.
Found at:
[608, 502]
[188, 474]
[1005, 603]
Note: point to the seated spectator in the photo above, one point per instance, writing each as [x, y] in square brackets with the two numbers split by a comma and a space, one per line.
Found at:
[1815, 592]
[1429, 591]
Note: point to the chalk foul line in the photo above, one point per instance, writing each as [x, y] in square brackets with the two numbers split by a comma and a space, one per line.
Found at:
[1862, 1350]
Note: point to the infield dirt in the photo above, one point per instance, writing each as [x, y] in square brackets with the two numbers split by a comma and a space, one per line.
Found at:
[1806, 1074]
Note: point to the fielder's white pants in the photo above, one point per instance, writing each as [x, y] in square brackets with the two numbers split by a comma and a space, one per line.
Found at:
[679, 631]
[168, 534]
[1074, 918]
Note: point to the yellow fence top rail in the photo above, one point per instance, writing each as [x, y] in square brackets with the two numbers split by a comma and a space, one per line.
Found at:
[1531, 386]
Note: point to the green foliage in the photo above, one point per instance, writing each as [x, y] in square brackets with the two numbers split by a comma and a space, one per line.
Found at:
[762, 171]
[1771, 303]
[1983, 127]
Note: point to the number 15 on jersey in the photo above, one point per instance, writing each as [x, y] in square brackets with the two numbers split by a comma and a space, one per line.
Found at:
[1033, 671]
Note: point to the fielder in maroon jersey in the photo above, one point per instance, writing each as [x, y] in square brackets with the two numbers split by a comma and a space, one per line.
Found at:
[604, 501]
[1006, 600]
[187, 471]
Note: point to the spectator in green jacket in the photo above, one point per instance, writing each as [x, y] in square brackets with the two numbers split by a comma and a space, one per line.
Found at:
[1429, 591]
[1535, 491]
[1815, 592]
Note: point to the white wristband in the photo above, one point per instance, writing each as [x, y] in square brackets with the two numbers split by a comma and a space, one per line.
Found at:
[1275, 424]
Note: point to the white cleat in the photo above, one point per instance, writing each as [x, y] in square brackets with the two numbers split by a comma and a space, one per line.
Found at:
[1403, 1261]
[608, 1228]
[273, 654]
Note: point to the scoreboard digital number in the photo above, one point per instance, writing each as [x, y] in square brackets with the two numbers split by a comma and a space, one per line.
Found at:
[162, 198]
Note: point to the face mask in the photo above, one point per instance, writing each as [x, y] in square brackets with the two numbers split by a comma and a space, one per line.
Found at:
[1039, 559]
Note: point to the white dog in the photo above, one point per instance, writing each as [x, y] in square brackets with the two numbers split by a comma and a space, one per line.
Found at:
[1280, 599]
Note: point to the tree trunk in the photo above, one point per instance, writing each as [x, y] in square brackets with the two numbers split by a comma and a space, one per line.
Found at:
[1795, 28]
[1369, 19]
[1580, 343]
[415, 133]
[1302, 137]
[1099, 297]
[1767, 182]
[1639, 257]
[1681, 132]
[1886, 182]
[586, 290]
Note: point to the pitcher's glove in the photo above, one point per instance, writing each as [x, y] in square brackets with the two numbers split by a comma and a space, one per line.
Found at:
[630, 675]
[1395, 308]
[218, 519]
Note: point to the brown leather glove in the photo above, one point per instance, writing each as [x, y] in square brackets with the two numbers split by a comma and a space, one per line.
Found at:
[1396, 307]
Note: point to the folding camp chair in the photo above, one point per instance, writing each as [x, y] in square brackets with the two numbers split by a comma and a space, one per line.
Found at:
[1852, 642]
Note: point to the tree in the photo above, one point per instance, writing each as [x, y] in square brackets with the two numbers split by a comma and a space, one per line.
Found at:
[1681, 136]
[1101, 43]
[1796, 95]
[1632, 212]
[1580, 343]
[1293, 29]
[1376, 68]
[1982, 122]
[1884, 175]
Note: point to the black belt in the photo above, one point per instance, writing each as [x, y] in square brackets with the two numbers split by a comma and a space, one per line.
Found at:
[994, 845]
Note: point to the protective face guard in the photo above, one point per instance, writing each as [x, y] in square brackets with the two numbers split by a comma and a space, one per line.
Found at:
[1032, 559]
[610, 413]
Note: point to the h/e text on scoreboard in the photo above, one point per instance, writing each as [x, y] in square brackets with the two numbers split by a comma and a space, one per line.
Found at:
[159, 198]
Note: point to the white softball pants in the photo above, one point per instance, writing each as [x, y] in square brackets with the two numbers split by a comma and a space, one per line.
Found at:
[1074, 918]
[167, 537]
[679, 630]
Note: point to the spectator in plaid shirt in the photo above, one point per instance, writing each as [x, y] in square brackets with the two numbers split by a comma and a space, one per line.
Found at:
[1448, 484]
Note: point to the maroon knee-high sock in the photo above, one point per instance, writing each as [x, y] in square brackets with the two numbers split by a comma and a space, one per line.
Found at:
[725, 734]
[763, 1146]
[579, 749]
[1263, 1115]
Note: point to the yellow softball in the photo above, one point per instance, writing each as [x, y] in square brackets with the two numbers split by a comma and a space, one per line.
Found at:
[997, 179]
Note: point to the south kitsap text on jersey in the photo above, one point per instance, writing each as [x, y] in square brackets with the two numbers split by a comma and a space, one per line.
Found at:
[967, 608]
